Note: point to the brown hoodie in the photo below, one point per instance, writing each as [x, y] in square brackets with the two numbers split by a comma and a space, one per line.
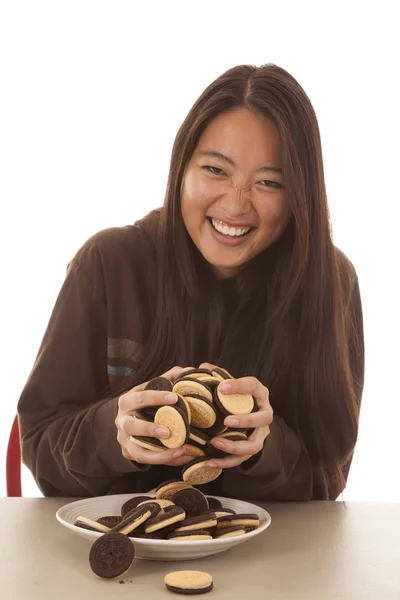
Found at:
[67, 408]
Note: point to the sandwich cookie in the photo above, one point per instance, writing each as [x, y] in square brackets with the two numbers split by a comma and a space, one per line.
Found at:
[167, 489]
[191, 500]
[190, 536]
[193, 450]
[233, 436]
[197, 472]
[133, 503]
[187, 386]
[227, 532]
[234, 404]
[109, 521]
[148, 443]
[196, 373]
[204, 413]
[91, 525]
[188, 582]
[132, 520]
[244, 520]
[177, 423]
[174, 515]
[111, 555]
[222, 374]
[198, 436]
[214, 503]
[199, 522]
[163, 503]
[161, 384]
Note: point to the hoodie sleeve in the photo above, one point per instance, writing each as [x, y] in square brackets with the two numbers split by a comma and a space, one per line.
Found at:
[67, 422]
[283, 469]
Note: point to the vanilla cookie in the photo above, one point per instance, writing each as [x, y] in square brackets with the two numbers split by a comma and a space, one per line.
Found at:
[204, 414]
[234, 404]
[197, 472]
[177, 424]
[186, 386]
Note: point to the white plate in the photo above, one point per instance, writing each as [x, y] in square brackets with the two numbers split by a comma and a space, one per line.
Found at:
[94, 508]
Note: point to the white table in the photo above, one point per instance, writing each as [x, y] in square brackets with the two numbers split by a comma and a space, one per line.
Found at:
[311, 551]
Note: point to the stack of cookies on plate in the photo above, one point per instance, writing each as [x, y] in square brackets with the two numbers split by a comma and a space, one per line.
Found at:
[178, 512]
[195, 419]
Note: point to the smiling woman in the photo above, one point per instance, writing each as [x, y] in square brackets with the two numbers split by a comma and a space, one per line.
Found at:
[230, 209]
[237, 269]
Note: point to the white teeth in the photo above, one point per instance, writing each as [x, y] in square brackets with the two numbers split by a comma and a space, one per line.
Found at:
[231, 231]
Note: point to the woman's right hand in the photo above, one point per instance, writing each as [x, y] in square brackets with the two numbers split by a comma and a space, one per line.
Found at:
[128, 425]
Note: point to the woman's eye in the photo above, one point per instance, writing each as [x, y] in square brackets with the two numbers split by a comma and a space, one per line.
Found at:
[215, 169]
[273, 184]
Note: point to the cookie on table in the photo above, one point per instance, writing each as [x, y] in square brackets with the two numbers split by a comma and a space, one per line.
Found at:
[188, 582]
[111, 555]
[197, 472]
[177, 423]
[191, 500]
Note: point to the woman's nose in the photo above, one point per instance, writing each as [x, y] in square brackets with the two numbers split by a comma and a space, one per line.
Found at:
[236, 201]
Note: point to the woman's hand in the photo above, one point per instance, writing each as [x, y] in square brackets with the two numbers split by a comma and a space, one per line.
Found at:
[260, 420]
[128, 425]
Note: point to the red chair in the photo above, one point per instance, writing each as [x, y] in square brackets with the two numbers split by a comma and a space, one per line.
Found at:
[13, 465]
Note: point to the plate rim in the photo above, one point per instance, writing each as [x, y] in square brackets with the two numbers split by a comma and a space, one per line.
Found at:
[168, 543]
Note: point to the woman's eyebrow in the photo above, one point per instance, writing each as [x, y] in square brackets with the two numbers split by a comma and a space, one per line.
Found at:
[221, 156]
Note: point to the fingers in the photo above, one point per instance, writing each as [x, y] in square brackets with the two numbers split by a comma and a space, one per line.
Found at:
[134, 426]
[208, 366]
[175, 372]
[135, 400]
[169, 456]
[239, 451]
[261, 418]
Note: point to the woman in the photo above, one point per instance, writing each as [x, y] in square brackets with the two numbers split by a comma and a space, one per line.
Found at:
[238, 269]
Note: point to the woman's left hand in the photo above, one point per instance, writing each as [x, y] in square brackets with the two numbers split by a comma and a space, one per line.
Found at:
[260, 421]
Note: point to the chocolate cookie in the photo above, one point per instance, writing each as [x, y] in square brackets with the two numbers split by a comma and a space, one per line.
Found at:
[90, 525]
[214, 503]
[148, 443]
[133, 503]
[111, 555]
[159, 384]
[190, 536]
[174, 515]
[245, 520]
[223, 373]
[191, 500]
[166, 490]
[199, 522]
[109, 521]
[133, 520]
[226, 532]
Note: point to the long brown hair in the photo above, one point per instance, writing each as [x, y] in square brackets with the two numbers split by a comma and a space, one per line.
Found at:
[289, 322]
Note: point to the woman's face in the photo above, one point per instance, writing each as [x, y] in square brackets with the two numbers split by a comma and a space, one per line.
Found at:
[235, 207]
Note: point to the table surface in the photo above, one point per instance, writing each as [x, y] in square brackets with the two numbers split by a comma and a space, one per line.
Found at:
[311, 551]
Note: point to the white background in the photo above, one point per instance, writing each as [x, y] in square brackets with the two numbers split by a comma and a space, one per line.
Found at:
[92, 95]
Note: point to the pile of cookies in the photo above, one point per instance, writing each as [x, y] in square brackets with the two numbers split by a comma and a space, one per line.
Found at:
[178, 512]
[195, 419]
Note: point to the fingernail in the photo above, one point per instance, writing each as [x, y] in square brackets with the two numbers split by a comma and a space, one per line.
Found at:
[178, 453]
[171, 397]
[232, 422]
[162, 432]
[225, 387]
